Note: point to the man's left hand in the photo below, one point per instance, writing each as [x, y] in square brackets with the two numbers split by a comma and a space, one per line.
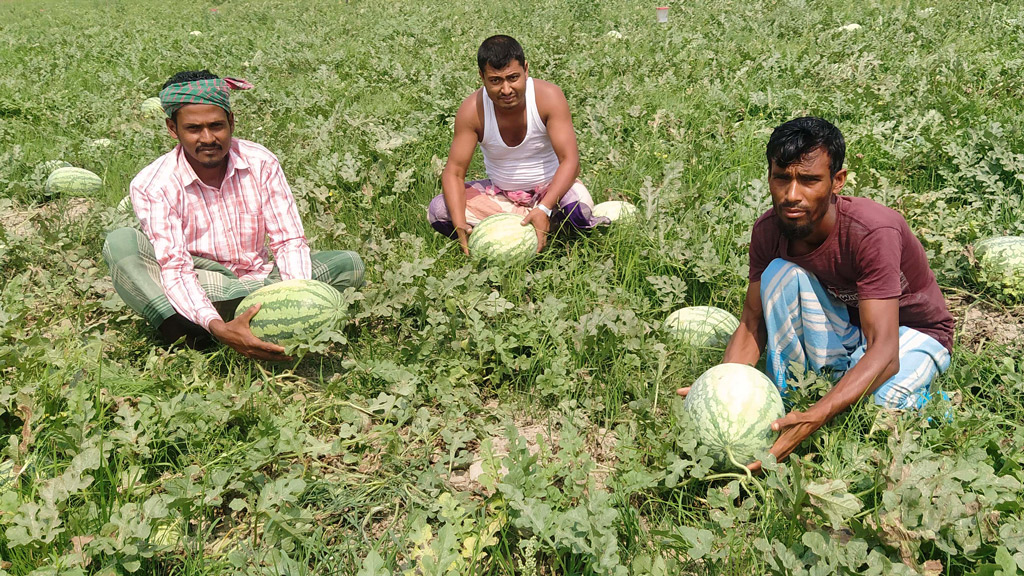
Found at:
[541, 223]
[793, 428]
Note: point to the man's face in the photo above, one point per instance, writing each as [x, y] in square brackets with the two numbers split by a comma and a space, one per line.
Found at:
[802, 194]
[204, 131]
[506, 87]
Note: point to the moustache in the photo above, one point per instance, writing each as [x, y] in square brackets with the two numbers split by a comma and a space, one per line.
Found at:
[206, 148]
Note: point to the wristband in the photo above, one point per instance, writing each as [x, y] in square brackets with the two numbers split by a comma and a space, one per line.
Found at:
[544, 209]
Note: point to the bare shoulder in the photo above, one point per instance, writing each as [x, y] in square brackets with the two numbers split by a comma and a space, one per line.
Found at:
[470, 112]
[550, 99]
[547, 93]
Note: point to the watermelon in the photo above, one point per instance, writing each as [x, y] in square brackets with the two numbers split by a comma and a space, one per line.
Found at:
[615, 210]
[293, 311]
[125, 206]
[731, 407]
[151, 107]
[70, 181]
[702, 326]
[1001, 263]
[51, 165]
[501, 239]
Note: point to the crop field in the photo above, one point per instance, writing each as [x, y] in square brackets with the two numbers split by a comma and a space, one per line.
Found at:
[474, 420]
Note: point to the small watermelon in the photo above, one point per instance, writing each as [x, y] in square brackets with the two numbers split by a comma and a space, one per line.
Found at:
[1001, 263]
[501, 239]
[70, 181]
[702, 326]
[732, 407]
[615, 211]
[125, 206]
[51, 165]
[293, 310]
[151, 107]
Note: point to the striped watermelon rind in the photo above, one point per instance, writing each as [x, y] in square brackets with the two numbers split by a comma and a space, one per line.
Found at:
[615, 210]
[293, 311]
[151, 107]
[502, 240]
[70, 181]
[701, 326]
[731, 407]
[50, 165]
[1001, 263]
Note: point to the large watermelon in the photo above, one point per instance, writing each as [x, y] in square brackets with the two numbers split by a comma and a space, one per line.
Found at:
[615, 210]
[1001, 263]
[293, 311]
[501, 239]
[732, 407]
[702, 326]
[72, 182]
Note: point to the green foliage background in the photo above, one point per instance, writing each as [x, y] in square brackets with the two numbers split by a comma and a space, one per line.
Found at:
[119, 457]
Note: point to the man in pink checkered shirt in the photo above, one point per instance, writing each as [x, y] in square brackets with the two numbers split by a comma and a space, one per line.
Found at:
[212, 210]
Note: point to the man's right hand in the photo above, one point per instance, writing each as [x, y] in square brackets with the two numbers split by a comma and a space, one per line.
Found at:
[239, 337]
[463, 232]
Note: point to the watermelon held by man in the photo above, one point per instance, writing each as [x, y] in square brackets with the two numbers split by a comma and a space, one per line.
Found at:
[293, 311]
[732, 407]
[701, 326]
[502, 240]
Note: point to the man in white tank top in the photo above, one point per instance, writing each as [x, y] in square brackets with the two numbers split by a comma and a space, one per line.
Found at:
[525, 133]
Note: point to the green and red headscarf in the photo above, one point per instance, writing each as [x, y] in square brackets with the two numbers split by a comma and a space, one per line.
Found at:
[211, 91]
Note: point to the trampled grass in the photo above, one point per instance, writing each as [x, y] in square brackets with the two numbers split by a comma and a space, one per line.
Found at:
[553, 380]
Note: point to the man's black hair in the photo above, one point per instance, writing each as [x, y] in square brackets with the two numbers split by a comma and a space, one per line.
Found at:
[797, 138]
[499, 51]
[188, 76]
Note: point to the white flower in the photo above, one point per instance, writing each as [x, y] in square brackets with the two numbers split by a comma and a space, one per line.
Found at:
[195, 33]
[614, 34]
[850, 27]
[102, 142]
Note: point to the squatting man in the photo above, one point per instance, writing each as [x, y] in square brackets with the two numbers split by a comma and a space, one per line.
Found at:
[838, 284]
[211, 211]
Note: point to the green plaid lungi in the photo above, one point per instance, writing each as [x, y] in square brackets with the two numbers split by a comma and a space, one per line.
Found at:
[136, 274]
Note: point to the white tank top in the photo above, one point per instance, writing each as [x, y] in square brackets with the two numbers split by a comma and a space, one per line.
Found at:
[524, 167]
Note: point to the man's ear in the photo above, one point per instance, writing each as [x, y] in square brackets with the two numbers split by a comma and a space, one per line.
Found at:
[838, 181]
[172, 128]
[526, 68]
[231, 121]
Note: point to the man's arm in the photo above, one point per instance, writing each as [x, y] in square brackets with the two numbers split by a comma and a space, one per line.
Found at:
[748, 341]
[881, 361]
[284, 227]
[453, 178]
[554, 111]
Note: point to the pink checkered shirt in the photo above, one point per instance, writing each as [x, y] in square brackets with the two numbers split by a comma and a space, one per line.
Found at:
[182, 217]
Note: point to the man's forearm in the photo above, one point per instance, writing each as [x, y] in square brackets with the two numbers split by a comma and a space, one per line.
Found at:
[562, 181]
[865, 377]
[453, 187]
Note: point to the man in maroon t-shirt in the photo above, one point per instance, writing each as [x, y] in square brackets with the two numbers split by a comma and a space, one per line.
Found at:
[837, 283]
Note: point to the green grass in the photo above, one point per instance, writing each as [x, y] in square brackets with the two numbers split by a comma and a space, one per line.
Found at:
[348, 462]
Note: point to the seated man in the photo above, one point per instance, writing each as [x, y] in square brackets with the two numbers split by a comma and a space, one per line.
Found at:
[529, 147]
[837, 283]
[206, 209]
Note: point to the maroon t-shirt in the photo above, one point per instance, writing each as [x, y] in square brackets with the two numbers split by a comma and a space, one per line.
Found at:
[870, 254]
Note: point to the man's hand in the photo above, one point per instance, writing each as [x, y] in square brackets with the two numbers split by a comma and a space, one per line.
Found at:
[793, 429]
[683, 391]
[463, 233]
[239, 337]
[541, 223]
